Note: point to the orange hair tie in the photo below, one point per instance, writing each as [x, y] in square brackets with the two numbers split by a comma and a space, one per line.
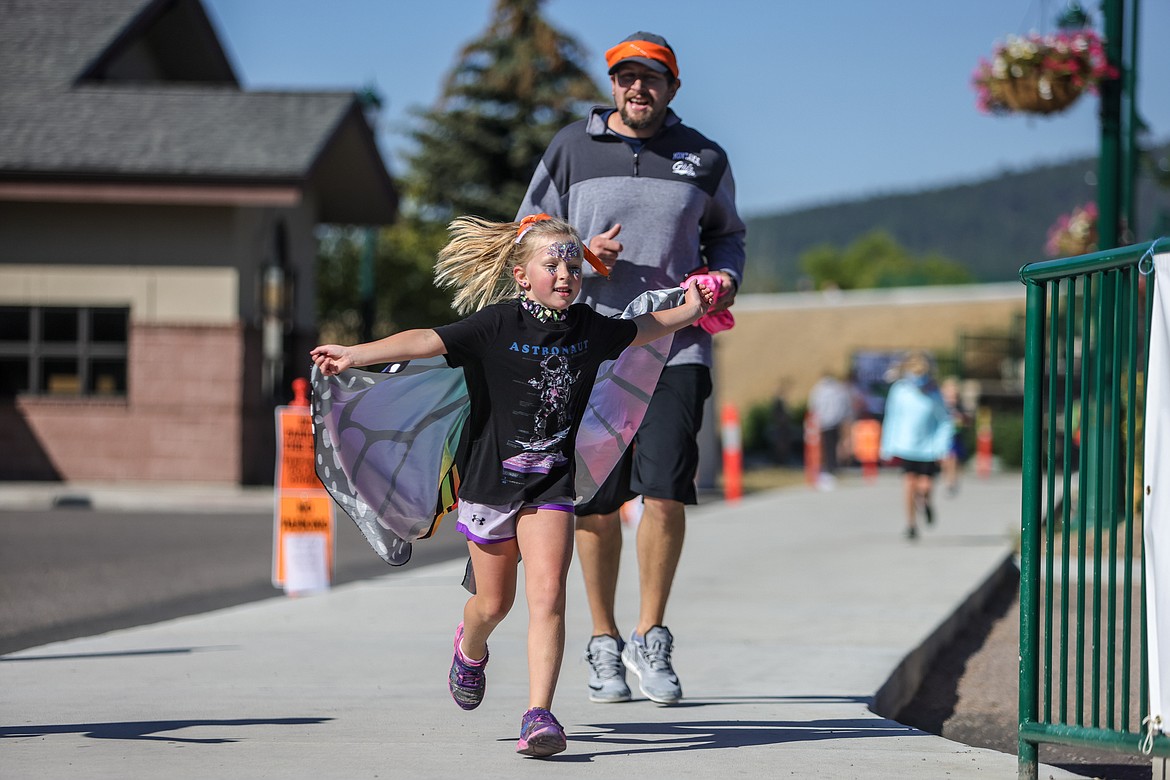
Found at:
[526, 225]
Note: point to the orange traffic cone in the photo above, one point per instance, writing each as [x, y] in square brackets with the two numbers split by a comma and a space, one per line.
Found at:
[812, 449]
[867, 444]
[983, 443]
[732, 454]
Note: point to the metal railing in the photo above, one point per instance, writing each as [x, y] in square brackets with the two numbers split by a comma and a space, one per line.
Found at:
[1083, 675]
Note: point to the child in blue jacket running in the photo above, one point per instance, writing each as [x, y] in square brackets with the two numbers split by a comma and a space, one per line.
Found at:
[916, 433]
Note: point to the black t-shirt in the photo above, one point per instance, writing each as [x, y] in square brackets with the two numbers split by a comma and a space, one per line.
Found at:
[528, 383]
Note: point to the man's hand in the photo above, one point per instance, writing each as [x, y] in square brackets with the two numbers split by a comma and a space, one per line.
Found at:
[606, 246]
[727, 291]
[700, 295]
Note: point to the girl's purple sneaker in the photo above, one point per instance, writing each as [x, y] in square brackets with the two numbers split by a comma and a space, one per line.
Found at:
[467, 680]
[540, 734]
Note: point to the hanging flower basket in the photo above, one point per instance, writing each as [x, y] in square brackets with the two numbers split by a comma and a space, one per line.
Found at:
[1035, 93]
[1041, 74]
[1074, 233]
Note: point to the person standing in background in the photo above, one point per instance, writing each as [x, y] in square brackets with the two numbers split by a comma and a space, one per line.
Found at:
[957, 453]
[658, 199]
[831, 404]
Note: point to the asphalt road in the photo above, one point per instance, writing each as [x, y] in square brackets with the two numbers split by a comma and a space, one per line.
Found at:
[67, 573]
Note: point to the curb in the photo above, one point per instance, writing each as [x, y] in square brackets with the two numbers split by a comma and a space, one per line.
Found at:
[142, 497]
[906, 679]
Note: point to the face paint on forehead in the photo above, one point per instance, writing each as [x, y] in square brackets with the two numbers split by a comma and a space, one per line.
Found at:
[566, 250]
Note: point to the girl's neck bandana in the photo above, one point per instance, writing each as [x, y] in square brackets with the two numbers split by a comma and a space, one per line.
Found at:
[541, 312]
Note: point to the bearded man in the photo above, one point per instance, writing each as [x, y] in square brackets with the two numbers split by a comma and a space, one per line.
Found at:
[636, 170]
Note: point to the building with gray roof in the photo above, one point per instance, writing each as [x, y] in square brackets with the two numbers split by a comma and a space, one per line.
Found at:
[157, 246]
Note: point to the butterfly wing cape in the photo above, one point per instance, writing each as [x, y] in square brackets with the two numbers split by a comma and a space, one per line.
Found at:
[385, 448]
[386, 442]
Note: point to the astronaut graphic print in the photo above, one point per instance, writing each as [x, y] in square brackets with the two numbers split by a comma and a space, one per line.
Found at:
[550, 423]
[529, 383]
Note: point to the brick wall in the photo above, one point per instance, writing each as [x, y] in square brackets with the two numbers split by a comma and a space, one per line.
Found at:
[179, 422]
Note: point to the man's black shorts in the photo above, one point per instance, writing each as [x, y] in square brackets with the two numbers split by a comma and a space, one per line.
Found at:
[665, 455]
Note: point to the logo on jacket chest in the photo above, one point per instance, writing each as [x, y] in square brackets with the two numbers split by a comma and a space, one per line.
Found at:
[686, 164]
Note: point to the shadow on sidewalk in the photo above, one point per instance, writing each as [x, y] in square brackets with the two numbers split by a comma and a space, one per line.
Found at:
[624, 739]
[148, 729]
[113, 654]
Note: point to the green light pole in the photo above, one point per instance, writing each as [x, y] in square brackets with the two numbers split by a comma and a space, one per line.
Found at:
[1109, 161]
[1133, 123]
[1120, 122]
[1116, 174]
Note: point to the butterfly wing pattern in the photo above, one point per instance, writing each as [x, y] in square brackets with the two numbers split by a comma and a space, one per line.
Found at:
[620, 397]
[385, 448]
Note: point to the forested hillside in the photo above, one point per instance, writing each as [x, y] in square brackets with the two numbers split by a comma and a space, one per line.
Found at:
[992, 227]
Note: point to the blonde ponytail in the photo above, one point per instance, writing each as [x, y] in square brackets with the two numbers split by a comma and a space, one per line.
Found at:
[477, 262]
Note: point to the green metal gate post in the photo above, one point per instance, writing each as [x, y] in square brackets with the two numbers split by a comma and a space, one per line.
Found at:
[1082, 642]
[1030, 538]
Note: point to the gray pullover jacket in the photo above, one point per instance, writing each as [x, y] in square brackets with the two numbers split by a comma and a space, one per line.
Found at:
[674, 198]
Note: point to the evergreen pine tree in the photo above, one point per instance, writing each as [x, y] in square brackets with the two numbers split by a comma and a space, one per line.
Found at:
[510, 91]
[508, 94]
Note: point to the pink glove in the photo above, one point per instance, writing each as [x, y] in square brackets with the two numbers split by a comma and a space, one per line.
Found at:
[714, 321]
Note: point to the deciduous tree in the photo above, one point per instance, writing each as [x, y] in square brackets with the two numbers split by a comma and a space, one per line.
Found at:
[877, 260]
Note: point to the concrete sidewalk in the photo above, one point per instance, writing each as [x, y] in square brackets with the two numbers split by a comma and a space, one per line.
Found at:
[792, 611]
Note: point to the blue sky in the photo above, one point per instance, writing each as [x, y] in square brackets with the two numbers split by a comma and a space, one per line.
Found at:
[814, 101]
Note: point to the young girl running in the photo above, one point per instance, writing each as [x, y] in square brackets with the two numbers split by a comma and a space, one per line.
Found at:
[530, 360]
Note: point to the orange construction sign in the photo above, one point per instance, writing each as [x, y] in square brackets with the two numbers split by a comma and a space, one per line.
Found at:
[303, 515]
[303, 532]
[294, 457]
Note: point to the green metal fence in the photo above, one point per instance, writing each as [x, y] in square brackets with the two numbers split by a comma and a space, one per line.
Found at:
[1083, 678]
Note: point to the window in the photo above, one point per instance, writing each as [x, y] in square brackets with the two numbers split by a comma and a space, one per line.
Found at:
[61, 350]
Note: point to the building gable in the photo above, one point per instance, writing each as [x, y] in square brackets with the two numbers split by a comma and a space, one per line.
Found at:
[168, 41]
[116, 99]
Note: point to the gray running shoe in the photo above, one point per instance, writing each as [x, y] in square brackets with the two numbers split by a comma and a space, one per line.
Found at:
[607, 676]
[649, 658]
